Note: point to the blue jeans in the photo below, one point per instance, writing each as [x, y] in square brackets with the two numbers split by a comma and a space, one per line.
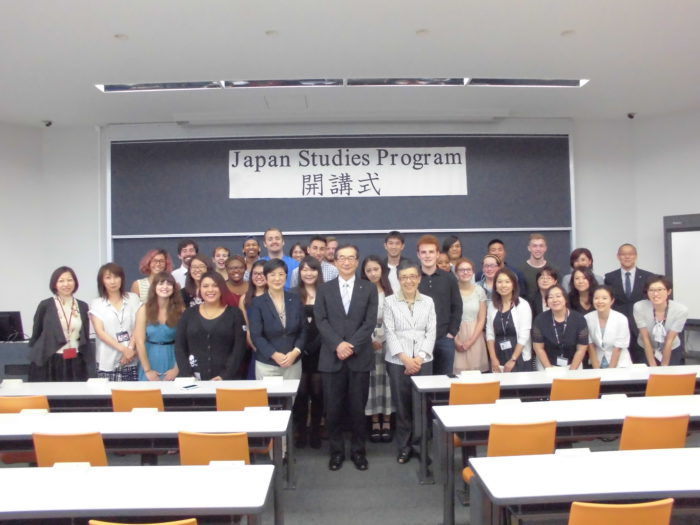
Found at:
[444, 356]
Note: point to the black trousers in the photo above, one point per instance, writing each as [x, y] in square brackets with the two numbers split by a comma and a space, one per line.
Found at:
[345, 393]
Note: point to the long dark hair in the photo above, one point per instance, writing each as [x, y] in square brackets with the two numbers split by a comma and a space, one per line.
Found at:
[496, 298]
[314, 264]
[250, 293]
[574, 294]
[384, 279]
[175, 303]
[190, 285]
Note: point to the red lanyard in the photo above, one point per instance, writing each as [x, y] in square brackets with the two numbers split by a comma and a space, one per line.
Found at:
[68, 318]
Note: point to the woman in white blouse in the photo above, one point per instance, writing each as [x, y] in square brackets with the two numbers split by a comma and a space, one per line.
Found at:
[608, 332]
[508, 325]
[409, 324]
[660, 320]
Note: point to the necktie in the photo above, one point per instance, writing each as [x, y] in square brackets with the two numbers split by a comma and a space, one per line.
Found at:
[628, 284]
[346, 297]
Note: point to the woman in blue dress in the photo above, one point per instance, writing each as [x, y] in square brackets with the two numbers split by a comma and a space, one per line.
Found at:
[155, 328]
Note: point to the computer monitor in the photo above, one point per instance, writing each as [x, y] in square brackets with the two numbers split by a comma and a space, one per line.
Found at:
[11, 326]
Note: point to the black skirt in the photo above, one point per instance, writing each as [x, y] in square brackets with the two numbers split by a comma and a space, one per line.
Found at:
[59, 369]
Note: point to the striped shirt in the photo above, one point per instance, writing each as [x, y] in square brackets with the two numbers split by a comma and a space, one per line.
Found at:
[409, 330]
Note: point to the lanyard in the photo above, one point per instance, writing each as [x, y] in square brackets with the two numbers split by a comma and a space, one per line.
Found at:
[504, 326]
[554, 325]
[68, 318]
[120, 320]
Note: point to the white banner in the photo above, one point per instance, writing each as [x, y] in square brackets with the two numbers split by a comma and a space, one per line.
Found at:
[347, 172]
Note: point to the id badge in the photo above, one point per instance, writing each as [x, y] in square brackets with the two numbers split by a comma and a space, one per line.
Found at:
[70, 353]
[562, 361]
[123, 337]
[505, 345]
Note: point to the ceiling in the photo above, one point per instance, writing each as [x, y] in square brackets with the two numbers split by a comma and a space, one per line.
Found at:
[641, 56]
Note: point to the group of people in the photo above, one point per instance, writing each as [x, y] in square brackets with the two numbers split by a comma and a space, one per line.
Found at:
[353, 331]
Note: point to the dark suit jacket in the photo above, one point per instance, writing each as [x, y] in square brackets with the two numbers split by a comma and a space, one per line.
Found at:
[355, 327]
[623, 304]
[267, 332]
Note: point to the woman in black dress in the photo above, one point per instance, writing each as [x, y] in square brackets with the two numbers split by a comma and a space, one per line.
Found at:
[310, 389]
[210, 343]
[559, 335]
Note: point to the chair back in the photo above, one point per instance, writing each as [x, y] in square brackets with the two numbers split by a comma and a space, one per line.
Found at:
[521, 439]
[671, 384]
[640, 433]
[57, 448]
[239, 398]
[475, 393]
[191, 521]
[650, 513]
[127, 400]
[566, 388]
[14, 404]
[200, 449]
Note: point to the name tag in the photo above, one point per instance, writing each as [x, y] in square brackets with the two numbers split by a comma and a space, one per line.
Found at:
[505, 345]
[70, 353]
[562, 361]
[122, 337]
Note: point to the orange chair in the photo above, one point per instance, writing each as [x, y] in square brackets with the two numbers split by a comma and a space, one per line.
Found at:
[127, 400]
[671, 384]
[15, 404]
[57, 448]
[651, 513]
[238, 399]
[201, 449]
[191, 521]
[639, 433]
[520, 439]
[567, 389]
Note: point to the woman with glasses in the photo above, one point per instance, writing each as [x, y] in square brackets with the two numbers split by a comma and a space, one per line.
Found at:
[409, 320]
[660, 320]
[155, 261]
[491, 264]
[199, 265]
[469, 342]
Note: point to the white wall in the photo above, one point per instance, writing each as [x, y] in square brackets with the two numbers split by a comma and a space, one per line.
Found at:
[48, 212]
[53, 189]
[23, 279]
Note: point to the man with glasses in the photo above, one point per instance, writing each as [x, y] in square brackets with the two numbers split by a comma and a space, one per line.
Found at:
[628, 286]
[346, 315]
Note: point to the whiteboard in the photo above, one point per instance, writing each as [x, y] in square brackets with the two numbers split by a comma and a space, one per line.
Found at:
[685, 255]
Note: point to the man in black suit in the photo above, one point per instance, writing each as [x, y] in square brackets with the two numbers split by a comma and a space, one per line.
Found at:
[346, 315]
[628, 286]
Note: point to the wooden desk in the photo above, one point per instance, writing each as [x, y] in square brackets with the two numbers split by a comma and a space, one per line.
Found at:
[33, 493]
[138, 430]
[529, 386]
[575, 419]
[581, 476]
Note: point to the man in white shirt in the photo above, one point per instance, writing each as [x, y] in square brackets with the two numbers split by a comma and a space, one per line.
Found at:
[186, 249]
[394, 243]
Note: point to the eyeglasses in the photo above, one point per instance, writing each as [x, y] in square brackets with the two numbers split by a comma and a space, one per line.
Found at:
[347, 258]
[158, 261]
[198, 267]
[409, 277]
[657, 290]
[490, 266]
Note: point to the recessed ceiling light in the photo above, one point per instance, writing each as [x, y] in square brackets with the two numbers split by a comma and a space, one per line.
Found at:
[271, 32]
[121, 36]
[423, 31]
[568, 33]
